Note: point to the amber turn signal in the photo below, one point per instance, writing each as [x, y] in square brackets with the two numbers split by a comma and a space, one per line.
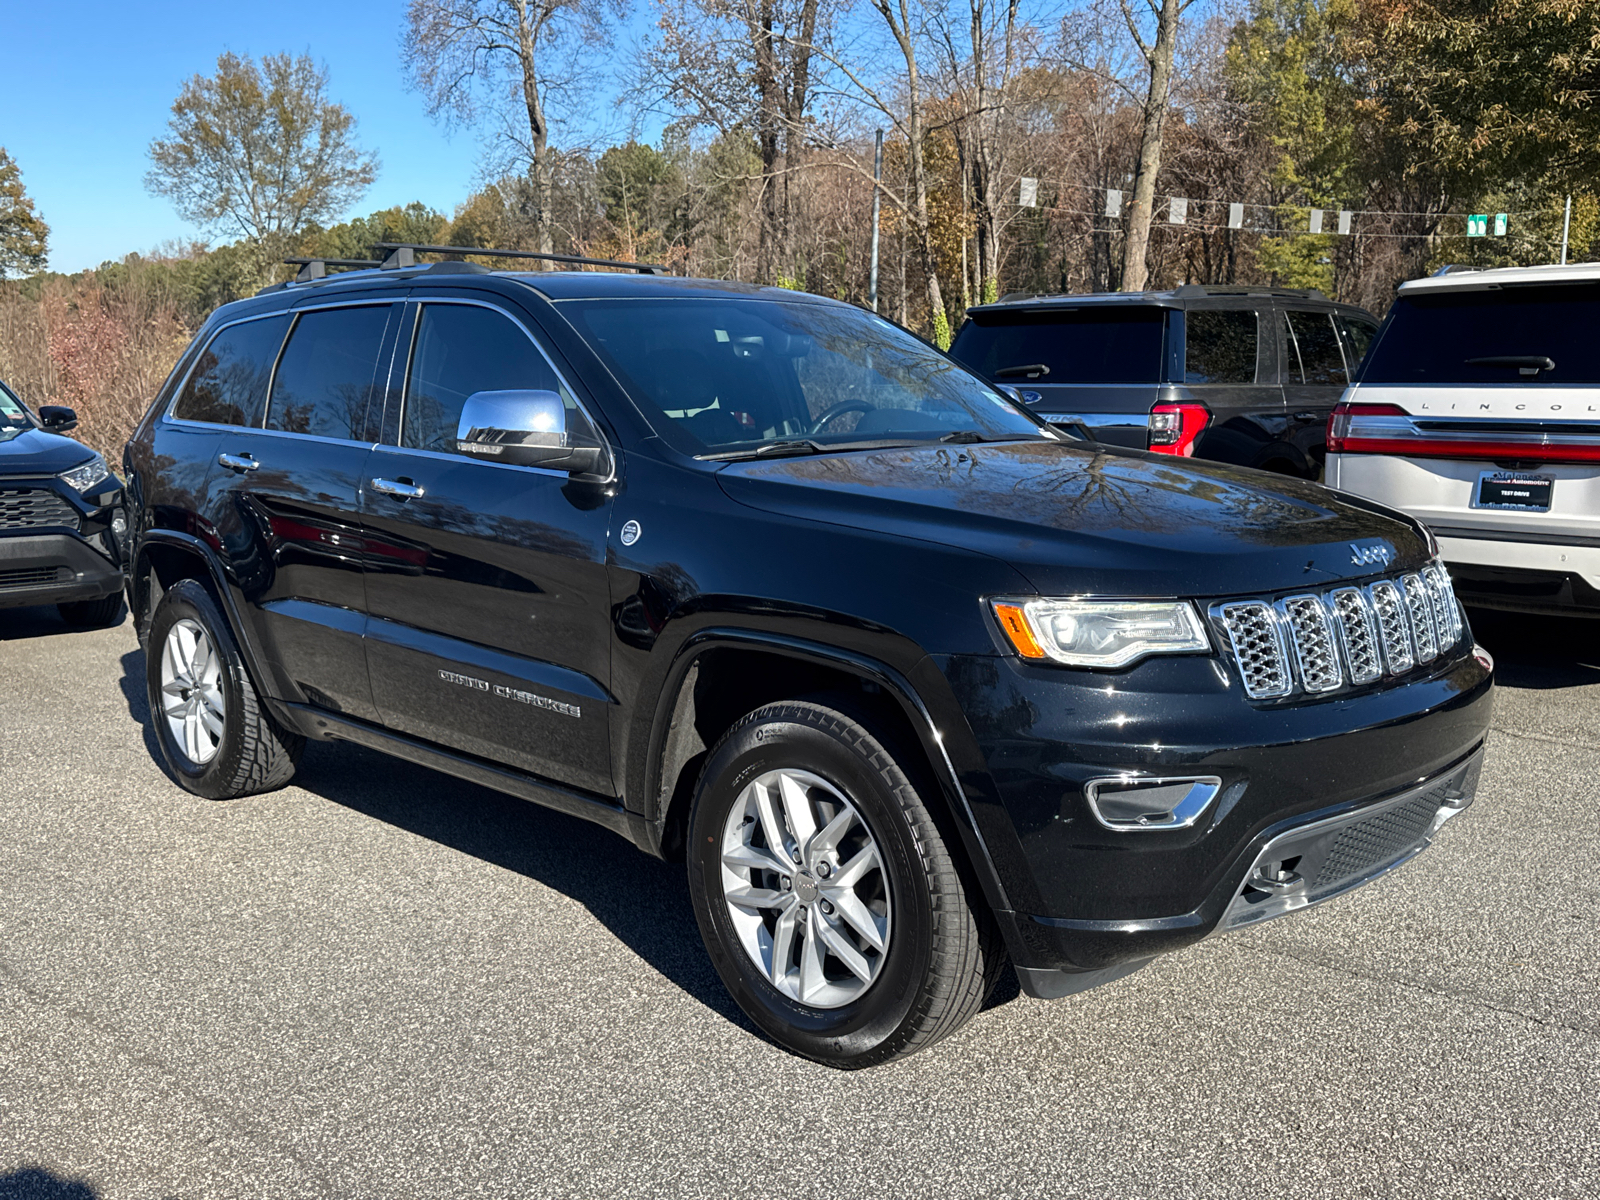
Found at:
[1015, 623]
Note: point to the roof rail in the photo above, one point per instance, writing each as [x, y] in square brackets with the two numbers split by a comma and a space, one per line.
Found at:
[1188, 290]
[400, 256]
[317, 268]
[1452, 269]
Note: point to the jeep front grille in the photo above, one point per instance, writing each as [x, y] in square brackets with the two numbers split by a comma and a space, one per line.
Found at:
[35, 508]
[1320, 642]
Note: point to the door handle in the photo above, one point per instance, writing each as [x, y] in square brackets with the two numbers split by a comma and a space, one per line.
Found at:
[397, 488]
[237, 462]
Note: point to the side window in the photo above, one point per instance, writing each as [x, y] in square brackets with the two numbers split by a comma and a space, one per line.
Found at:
[325, 381]
[1219, 346]
[1358, 334]
[228, 385]
[461, 349]
[1321, 361]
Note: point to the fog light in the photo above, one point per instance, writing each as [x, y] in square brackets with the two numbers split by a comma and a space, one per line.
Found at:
[1133, 802]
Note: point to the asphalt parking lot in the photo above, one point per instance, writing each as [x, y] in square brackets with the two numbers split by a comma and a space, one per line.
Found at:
[382, 982]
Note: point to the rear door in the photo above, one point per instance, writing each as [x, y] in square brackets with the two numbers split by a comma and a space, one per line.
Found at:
[1230, 366]
[489, 603]
[286, 500]
[1098, 363]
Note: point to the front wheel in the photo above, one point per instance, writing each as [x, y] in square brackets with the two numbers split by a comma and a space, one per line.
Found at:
[825, 894]
[216, 736]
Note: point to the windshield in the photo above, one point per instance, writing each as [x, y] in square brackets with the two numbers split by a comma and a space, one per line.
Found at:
[13, 417]
[1109, 344]
[1488, 337]
[730, 377]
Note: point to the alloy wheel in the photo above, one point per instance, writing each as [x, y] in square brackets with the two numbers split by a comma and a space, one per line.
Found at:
[805, 888]
[192, 699]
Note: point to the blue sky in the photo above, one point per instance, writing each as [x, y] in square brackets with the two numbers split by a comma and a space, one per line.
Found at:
[84, 88]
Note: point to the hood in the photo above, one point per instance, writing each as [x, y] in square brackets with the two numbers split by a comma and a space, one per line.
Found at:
[35, 452]
[1100, 522]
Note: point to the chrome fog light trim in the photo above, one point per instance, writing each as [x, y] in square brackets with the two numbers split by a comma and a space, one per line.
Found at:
[1144, 802]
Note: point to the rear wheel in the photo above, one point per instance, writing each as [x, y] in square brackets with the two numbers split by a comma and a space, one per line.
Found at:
[93, 614]
[214, 733]
[827, 897]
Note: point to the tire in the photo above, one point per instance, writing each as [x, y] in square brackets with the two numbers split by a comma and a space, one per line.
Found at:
[93, 614]
[940, 954]
[252, 752]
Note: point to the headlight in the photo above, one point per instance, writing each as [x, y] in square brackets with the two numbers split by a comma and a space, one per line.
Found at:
[88, 474]
[1100, 633]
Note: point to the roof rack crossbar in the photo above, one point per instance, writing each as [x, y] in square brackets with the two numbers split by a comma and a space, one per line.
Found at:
[395, 248]
[317, 268]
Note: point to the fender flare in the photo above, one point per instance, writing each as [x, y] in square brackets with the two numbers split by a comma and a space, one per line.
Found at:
[889, 678]
[188, 543]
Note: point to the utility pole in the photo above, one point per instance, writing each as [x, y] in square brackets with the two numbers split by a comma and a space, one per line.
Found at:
[1566, 226]
[877, 187]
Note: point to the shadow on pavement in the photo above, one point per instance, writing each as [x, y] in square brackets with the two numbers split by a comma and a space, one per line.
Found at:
[35, 1183]
[1537, 651]
[643, 901]
[40, 621]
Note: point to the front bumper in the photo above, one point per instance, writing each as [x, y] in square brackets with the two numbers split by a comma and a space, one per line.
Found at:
[1090, 900]
[54, 568]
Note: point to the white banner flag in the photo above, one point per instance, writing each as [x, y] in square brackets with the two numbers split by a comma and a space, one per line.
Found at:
[1113, 202]
[1316, 220]
[1235, 216]
[1028, 195]
[1177, 210]
[1344, 220]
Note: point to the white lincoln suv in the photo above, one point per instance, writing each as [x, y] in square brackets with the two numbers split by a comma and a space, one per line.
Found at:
[1477, 410]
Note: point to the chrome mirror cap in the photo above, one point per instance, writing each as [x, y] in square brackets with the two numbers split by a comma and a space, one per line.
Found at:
[523, 428]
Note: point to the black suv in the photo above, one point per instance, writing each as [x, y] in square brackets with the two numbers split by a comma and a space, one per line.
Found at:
[1242, 375]
[61, 520]
[912, 680]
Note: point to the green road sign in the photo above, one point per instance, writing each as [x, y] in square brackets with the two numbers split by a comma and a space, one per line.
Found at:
[1478, 225]
[1500, 220]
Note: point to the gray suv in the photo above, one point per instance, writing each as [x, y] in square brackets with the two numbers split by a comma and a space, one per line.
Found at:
[1243, 375]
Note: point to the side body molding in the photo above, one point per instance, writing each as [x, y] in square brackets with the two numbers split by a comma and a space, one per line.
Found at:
[888, 678]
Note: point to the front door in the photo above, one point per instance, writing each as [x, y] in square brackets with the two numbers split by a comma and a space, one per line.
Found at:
[1314, 377]
[287, 500]
[486, 583]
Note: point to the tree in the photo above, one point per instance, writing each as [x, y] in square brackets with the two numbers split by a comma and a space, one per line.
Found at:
[260, 152]
[1494, 93]
[1159, 54]
[459, 51]
[24, 238]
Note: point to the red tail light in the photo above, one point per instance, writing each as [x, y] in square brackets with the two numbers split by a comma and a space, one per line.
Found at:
[1389, 429]
[1174, 428]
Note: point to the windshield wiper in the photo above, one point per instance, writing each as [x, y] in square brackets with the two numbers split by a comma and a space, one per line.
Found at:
[1030, 371]
[800, 446]
[1526, 364]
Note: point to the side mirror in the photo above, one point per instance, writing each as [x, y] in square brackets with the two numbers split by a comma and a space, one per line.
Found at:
[57, 418]
[527, 429]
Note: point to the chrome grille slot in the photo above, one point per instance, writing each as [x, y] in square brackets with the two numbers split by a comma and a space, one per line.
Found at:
[1321, 642]
[1258, 648]
[1358, 634]
[1419, 607]
[1316, 656]
[1393, 627]
[1446, 613]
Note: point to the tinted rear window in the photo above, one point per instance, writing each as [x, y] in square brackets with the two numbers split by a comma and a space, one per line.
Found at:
[1099, 345]
[1430, 338]
[324, 382]
[228, 385]
[1219, 346]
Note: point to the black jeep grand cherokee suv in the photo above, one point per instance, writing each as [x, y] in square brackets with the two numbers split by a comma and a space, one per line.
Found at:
[1244, 375]
[911, 680]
